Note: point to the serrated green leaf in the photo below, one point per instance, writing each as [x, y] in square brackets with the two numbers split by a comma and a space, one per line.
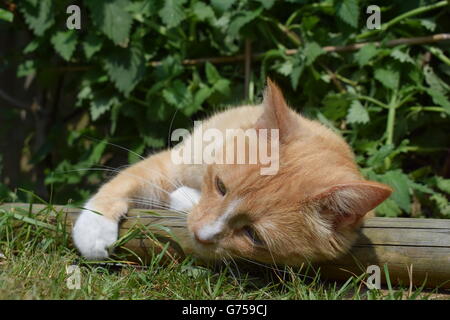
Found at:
[91, 45]
[267, 4]
[400, 183]
[439, 98]
[388, 208]
[26, 68]
[348, 11]
[428, 24]
[84, 94]
[172, 13]
[420, 187]
[296, 73]
[443, 184]
[101, 104]
[222, 5]
[335, 106]
[201, 95]
[434, 81]
[143, 9]
[154, 142]
[203, 11]
[211, 73]
[222, 86]
[38, 15]
[388, 77]
[97, 152]
[309, 22]
[242, 19]
[114, 117]
[125, 68]
[365, 54]
[177, 94]
[442, 203]
[32, 46]
[134, 153]
[180, 96]
[285, 68]
[401, 56]
[112, 19]
[64, 43]
[377, 158]
[357, 113]
[6, 15]
[312, 50]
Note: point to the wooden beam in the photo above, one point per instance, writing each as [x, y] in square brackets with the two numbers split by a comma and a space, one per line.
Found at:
[413, 250]
[422, 245]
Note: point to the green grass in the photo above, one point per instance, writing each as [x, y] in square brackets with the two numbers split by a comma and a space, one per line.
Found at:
[37, 250]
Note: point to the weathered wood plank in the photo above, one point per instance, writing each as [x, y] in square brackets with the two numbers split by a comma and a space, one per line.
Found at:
[407, 223]
[406, 237]
[399, 243]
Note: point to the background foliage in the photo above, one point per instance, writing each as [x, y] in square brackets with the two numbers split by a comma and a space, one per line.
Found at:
[121, 80]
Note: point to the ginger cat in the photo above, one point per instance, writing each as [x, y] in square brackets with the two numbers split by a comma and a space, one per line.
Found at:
[309, 210]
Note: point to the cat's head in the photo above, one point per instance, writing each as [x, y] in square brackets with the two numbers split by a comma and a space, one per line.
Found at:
[308, 211]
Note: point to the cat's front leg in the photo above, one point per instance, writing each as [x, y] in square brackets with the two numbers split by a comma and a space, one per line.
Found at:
[96, 229]
[94, 232]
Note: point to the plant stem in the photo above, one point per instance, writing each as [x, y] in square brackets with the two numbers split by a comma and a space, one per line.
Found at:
[391, 121]
[138, 101]
[373, 100]
[434, 109]
[346, 80]
[440, 55]
[390, 126]
[399, 18]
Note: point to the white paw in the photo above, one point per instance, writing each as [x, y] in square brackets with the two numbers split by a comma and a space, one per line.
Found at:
[184, 198]
[93, 234]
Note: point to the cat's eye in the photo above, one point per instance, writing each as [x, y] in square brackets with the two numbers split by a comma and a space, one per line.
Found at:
[220, 186]
[251, 233]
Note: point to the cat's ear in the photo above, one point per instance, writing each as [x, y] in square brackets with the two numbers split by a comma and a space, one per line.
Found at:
[345, 204]
[277, 114]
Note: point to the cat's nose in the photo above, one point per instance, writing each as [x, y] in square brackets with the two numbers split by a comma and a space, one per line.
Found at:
[206, 240]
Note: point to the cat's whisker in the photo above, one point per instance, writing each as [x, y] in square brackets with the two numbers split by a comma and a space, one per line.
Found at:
[154, 185]
[270, 267]
[226, 262]
[115, 145]
[276, 266]
[154, 202]
[176, 184]
[182, 214]
[114, 170]
[269, 241]
[118, 169]
[235, 264]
